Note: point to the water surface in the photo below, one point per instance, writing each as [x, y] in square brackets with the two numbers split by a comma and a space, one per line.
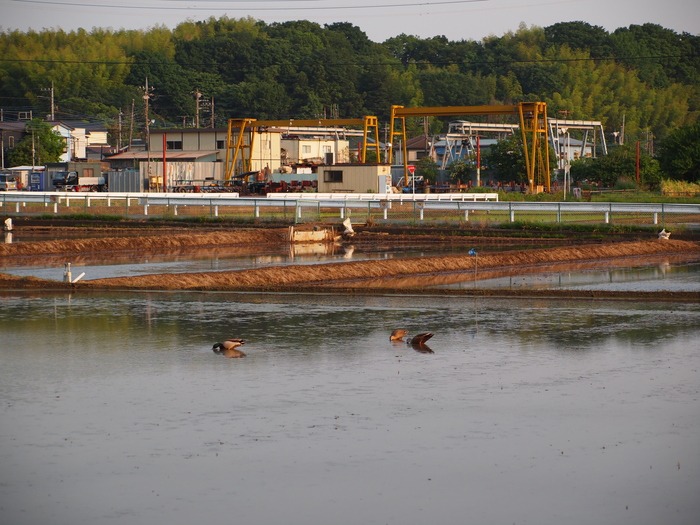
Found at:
[115, 410]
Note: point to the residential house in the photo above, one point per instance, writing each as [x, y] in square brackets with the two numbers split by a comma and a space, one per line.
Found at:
[11, 133]
[193, 156]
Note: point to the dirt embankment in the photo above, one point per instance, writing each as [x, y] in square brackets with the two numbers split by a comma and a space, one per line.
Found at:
[392, 275]
[149, 242]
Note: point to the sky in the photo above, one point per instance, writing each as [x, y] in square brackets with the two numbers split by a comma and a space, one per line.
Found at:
[379, 19]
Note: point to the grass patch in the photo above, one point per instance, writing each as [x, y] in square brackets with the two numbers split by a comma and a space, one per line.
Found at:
[82, 217]
[568, 228]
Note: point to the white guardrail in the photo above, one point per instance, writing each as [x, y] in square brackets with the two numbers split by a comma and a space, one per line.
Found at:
[463, 202]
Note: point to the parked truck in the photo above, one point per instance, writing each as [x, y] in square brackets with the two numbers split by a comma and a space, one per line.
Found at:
[70, 181]
[8, 182]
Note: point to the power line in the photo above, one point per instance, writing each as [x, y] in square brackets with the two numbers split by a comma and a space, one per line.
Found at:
[648, 58]
[248, 8]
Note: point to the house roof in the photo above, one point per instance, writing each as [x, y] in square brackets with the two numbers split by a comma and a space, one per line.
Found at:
[160, 131]
[157, 155]
[420, 142]
[79, 124]
[25, 168]
[19, 126]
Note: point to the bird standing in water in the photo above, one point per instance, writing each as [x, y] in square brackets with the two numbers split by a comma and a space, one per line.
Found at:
[398, 334]
[229, 347]
[419, 340]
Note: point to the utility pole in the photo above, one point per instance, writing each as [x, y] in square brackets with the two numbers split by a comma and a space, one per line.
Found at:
[131, 124]
[147, 92]
[33, 150]
[213, 120]
[622, 131]
[146, 98]
[197, 97]
[52, 114]
[119, 132]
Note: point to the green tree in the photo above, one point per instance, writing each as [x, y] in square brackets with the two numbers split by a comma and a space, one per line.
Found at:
[428, 169]
[506, 160]
[646, 76]
[679, 154]
[40, 146]
[580, 35]
[460, 171]
[660, 56]
[618, 168]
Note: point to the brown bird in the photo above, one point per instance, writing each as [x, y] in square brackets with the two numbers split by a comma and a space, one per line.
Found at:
[232, 352]
[420, 339]
[398, 334]
[228, 348]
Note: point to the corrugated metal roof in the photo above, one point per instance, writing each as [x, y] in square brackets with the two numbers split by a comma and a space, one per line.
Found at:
[157, 155]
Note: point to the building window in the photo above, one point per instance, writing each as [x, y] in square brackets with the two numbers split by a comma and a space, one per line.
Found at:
[332, 175]
[10, 142]
[327, 149]
[220, 144]
[173, 144]
[306, 149]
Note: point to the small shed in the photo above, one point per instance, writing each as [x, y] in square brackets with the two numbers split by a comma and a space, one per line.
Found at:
[354, 178]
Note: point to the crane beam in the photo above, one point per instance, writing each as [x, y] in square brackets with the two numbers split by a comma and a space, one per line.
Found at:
[533, 124]
[241, 136]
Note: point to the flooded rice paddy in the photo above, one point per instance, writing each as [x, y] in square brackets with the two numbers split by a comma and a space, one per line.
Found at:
[657, 274]
[115, 410]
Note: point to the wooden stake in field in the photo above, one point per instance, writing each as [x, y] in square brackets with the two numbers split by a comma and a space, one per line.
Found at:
[474, 254]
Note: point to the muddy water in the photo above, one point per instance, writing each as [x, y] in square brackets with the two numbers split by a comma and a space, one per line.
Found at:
[115, 410]
[100, 265]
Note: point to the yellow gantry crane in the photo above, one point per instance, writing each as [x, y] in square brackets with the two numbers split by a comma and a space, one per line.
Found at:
[241, 137]
[533, 127]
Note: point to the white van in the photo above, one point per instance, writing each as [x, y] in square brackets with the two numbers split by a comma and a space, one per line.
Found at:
[8, 182]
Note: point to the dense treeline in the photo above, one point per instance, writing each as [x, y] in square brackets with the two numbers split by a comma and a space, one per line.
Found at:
[646, 77]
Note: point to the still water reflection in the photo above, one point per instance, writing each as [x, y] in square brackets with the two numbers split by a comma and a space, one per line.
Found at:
[660, 274]
[115, 410]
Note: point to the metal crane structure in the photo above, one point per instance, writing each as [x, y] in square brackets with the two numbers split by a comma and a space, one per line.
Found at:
[533, 127]
[591, 132]
[461, 139]
[241, 137]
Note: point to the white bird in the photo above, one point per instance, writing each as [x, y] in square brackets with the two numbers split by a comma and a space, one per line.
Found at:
[663, 234]
[349, 232]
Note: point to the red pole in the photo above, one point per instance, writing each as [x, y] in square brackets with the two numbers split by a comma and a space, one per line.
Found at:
[165, 165]
[478, 161]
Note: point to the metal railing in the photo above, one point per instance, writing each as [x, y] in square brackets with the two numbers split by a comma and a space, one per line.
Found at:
[480, 208]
